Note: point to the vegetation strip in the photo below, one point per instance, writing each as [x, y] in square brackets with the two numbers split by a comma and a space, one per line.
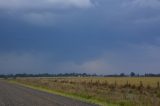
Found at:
[111, 91]
[76, 97]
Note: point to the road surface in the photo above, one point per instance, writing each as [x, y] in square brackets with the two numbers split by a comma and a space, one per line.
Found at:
[16, 95]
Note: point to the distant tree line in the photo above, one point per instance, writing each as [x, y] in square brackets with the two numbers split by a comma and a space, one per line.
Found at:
[132, 74]
[47, 75]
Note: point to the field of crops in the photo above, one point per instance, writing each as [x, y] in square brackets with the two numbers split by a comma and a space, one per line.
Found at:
[119, 91]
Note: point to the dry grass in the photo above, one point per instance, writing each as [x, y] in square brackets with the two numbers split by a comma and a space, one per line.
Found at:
[123, 91]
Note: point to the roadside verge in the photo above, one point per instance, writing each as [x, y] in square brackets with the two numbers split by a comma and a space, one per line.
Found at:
[72, 96]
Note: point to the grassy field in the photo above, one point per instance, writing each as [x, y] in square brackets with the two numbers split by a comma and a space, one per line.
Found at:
[119, 91]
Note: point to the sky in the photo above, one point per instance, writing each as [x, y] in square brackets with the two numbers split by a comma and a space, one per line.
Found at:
[81, 36]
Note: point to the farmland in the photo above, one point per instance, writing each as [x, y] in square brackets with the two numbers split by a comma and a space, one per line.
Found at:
[116, 91]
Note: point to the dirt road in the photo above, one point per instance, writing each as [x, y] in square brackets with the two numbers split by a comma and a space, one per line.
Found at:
[16, 95]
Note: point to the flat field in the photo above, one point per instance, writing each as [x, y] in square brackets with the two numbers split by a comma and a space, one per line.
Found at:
[117, 91]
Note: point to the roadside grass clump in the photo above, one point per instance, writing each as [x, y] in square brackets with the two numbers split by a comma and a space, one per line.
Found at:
[158, 84]
[158, 94]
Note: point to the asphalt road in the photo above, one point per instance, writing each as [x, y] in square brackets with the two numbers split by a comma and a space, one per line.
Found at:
[16, 95]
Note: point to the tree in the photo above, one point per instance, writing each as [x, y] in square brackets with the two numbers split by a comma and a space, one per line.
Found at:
[132, 74]
[122, 75]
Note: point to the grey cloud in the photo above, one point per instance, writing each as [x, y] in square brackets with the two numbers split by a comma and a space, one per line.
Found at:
[143, 3]
[107, 12]
[138, 58]
[41, 12]
[22, 63]
[42, 4]
[112, 37]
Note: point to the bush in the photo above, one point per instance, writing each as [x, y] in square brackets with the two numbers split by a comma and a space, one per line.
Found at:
[158, 94]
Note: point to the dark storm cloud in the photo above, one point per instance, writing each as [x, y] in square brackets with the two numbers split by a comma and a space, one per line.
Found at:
[94, 36]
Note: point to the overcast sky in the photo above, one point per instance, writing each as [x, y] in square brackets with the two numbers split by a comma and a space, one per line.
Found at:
[91, 36]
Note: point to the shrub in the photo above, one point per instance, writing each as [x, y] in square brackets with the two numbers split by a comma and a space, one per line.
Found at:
[158, 94]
